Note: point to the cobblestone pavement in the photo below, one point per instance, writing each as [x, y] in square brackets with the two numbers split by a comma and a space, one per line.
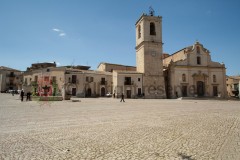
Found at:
[104, 128]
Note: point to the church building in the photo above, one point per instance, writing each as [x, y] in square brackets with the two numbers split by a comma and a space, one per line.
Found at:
[190, 72]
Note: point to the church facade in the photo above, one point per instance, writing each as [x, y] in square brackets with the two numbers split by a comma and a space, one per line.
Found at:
[190, 72]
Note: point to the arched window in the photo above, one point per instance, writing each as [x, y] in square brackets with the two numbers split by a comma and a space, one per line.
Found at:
[198, 50]
[139, 31]
[152, 29]
[214, 78]
[184, 77]
[198, 60]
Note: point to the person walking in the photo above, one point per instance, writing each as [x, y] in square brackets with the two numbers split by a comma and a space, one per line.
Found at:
[122, 98]
[28, 96]
[22, 95]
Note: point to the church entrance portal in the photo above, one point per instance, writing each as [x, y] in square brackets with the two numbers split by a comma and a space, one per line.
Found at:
[200, 88]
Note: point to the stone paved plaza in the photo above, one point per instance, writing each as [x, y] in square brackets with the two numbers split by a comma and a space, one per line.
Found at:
[104, 128]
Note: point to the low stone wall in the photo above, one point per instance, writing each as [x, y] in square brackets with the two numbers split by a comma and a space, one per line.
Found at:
[47, 98]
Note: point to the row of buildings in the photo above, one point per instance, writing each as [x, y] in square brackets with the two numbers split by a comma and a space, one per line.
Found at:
[189, 72]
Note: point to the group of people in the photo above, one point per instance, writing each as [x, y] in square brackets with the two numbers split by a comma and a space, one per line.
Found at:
[28, 98]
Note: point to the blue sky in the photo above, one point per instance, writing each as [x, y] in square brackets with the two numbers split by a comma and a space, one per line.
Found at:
[77, 32]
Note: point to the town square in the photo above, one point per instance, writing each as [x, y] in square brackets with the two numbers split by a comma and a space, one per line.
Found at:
[103, 128]
[104, 80]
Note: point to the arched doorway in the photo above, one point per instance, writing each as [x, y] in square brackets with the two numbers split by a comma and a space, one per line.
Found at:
[103, 92]
[200, 88]
[89, 92]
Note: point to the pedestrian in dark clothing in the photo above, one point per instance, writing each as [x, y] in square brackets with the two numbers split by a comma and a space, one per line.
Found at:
[28, 96]
[22, 95]
[114, 95]
[122, 98]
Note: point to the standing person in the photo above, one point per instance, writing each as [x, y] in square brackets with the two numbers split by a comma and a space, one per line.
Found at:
[27, 96]
[122, 98]
[22, 95]
[30, 96]
[13, 92]
[114, 95]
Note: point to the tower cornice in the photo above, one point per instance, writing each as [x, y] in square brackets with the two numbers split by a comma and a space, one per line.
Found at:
[147, 43]
[145, 15]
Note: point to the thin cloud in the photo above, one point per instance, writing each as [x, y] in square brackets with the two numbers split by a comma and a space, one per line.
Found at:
[56, 30]
[62, 34]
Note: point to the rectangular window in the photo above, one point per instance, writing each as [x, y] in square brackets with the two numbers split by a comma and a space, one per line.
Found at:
[74, 78]
[127, 81]
[199, 60]
[91, 79]
[103, 81]
[87, 79]
[54, 79]
[139, 79]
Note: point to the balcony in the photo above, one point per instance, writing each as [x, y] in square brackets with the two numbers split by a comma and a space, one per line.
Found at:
[73, 81]
[128, 83]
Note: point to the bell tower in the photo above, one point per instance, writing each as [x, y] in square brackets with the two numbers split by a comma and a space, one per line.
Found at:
[149, 54]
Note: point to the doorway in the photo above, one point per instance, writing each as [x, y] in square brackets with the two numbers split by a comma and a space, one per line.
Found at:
[215, 91]
[74, 91]
[89, 92]
[200, 88]
[139, 91]
[128, 93]
[184, 91]
[103, 92]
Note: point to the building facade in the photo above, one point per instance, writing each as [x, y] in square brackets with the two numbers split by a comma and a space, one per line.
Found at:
[67, 80]
[10, 79]
[233, 86]
[191, 73]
